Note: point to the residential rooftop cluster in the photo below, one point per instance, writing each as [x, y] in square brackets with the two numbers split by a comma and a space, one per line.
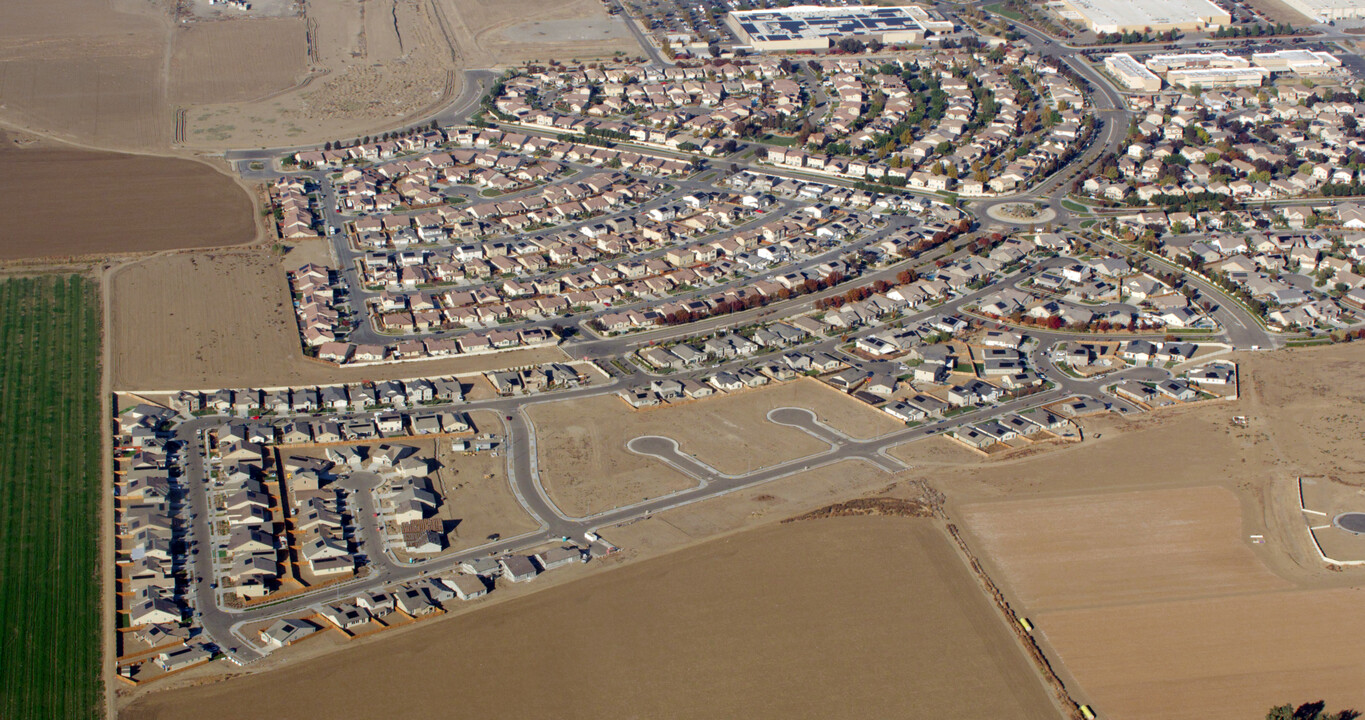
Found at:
[154, 542]
[1311, 281]
[991, 115]
[1243, 145]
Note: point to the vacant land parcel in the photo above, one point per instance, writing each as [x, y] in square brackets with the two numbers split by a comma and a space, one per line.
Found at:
[62, 201]
[49, 498]
[729, 628]
[1158, 607]
[224, 319]
[266, 56]
[587, 468]
[86, 70]
[489, 33]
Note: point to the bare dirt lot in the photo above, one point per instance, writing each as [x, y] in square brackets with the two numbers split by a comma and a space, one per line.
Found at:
[223, 319]
[855, 419]
[1120, 548]
[1160, 596]
[130, 75]
[86, 70]
[379, 64]
[475, 493]
[491, 33]
[63, 201]
[1224, 657]
[583, 461]
[265, 56]
[772, 501]
[694, 634]
[586, 467]
[934, 450]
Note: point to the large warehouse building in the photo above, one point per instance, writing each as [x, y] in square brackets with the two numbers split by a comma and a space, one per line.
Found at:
[1324, 10]
[807, 27]
[1118, 16]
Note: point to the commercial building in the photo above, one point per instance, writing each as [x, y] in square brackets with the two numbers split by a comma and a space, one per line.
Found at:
[1299, 62]
[1208, 78]
[1194, 61]
[1117, 16]
[1324, 10]
[807, 27]
[1131, 73]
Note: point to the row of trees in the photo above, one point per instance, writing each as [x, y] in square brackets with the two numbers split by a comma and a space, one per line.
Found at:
[753, 300]
[1254, 30]
[859, 294]
[393, 135]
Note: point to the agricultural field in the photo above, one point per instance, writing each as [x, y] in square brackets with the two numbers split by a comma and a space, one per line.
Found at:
[850, 617]
[124, 203]
[50, 498]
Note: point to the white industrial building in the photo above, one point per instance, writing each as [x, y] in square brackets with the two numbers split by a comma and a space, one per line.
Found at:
[1209, 78]
[1117, 16]
[1194, 61]
[808, 27]
[1131, 73]
[1299, 62]
[1324, 10]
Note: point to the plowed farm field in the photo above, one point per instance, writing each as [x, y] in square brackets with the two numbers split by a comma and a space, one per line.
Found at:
[63, 201]
[1157, 606]
[896, 627]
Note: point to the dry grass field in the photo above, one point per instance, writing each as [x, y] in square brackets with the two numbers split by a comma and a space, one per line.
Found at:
[1165, 561]
[223, 319]
[266, 56]
[121, 74]
[584, 464]
[730, 628]
[1120, 548]
[489, 33]
[86, 70]
[371, 66]
[587, 469]
[934, 451]
[855, 419]
[745, 509]
[1223, 657]
[1278, 11]
[474, 490]
[63, 201]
